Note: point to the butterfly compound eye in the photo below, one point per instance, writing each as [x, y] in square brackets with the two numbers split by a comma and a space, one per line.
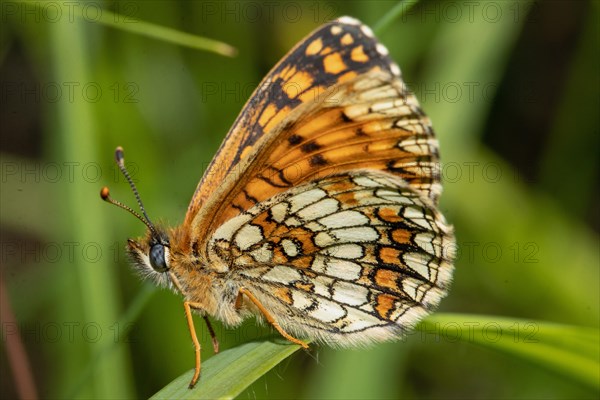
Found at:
[157, 258]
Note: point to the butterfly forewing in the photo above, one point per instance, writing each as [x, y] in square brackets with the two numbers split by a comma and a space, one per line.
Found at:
[334, 103]
[348, 259]
[381, 134]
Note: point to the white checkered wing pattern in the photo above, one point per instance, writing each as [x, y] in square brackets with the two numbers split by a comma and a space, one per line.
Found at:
[349, 259]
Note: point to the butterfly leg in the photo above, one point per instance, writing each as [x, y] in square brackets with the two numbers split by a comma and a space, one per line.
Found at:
[188, 314]
[268, 316]
[215, 341]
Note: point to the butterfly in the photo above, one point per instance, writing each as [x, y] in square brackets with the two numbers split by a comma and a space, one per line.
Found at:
[319, 212]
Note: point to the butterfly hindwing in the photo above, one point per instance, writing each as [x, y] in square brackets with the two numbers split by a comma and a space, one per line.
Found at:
[360, 255]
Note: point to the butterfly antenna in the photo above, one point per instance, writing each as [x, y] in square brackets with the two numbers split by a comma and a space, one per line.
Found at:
[105, 193]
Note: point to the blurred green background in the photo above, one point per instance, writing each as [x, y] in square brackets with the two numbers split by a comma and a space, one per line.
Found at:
[513, 90]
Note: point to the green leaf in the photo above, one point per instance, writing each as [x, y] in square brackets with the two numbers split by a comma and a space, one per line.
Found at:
[228, 373]
[571, 351]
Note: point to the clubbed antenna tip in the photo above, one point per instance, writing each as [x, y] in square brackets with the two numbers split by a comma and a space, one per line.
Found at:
[105, 193]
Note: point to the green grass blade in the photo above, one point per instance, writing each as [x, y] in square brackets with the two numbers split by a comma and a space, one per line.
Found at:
[400, 8]
[571, 351]
[367, 373]
[230, 372]
[133, 25]
[166, 34]
[127, 318]
[94, 290]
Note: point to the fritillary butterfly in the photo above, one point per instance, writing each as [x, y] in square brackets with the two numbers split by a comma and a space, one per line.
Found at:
[319, 210]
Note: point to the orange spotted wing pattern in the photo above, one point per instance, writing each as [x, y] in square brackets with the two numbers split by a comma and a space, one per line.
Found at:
[336, 102]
